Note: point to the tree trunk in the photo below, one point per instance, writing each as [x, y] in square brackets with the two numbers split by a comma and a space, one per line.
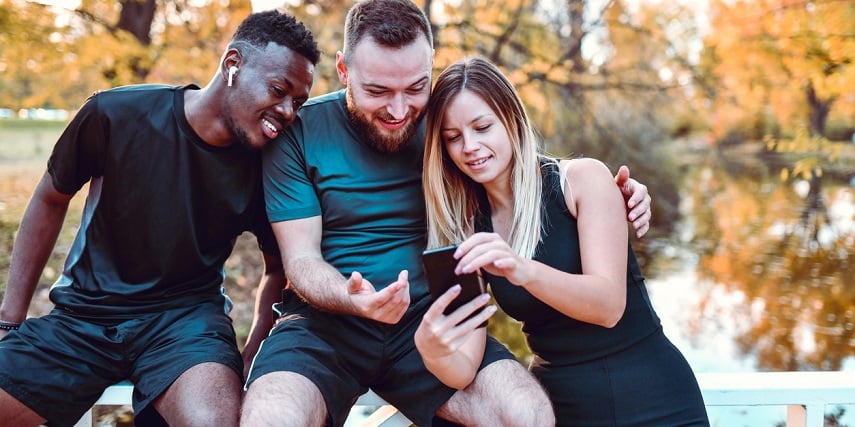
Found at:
[136, 18]
[576, 13]
[819, 109]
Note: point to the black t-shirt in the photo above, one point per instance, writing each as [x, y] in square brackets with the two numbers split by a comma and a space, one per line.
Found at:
[163, 210]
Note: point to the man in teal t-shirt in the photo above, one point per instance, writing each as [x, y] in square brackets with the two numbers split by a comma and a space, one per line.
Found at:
[344, 196]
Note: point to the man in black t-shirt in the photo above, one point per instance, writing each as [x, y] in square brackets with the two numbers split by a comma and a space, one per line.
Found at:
[174, 178]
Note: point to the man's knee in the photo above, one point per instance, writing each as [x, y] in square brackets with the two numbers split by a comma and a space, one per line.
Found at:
[263, 402]
[503, 393]
[13, 412]
[513, 393]
[206, 394]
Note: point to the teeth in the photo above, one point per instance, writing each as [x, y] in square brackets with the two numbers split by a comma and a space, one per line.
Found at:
[269, 125]
[476, 163]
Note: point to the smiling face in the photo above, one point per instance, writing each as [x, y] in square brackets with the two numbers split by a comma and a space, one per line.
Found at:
[387, 90]
[268, 89]
[476, 139]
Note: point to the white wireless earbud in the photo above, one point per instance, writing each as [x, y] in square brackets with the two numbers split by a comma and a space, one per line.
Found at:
[232, 71]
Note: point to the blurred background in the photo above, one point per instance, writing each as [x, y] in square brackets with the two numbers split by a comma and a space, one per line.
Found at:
[738, 115]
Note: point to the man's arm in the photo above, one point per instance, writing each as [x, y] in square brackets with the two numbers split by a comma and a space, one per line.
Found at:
[638, 201]
[269, 293]
[323, 286]
[35, 240]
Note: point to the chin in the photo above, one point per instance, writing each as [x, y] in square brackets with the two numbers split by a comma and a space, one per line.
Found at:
[251, 144]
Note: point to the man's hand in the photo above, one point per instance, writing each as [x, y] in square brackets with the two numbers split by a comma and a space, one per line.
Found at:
[637, 199]
[387, 305]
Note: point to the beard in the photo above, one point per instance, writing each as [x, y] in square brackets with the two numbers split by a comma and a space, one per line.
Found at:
[240, 133]
[381, 139]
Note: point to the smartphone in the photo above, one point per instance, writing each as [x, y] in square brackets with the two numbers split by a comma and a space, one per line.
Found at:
[439, 266]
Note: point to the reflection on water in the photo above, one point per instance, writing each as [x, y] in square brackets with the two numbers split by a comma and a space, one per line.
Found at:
[759, 276]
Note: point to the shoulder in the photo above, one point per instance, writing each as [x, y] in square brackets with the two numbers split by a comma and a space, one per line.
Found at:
[317, 114]
[586, 178]
[140, 89]
[141, 96]
[584, 168]
[327, 100]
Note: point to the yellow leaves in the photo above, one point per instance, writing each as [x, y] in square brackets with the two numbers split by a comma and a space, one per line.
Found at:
[810, 153]
[766, 51]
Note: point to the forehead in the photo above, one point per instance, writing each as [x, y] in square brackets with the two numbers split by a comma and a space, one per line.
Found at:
[281, 62]
[381, 65]
[465, 106]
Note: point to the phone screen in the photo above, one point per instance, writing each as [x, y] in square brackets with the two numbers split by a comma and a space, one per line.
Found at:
[439, 266]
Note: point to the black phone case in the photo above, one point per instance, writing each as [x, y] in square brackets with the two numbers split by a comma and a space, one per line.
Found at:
[439, 266]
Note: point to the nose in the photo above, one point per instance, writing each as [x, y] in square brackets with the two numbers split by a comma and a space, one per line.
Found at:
[470, 143]
[286, 109]
[397, 106]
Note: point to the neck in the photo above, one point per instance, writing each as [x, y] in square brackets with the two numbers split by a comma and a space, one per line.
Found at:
[501, 199]
[204, 113]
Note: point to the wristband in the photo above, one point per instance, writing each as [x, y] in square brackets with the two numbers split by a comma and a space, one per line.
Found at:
[9, 326]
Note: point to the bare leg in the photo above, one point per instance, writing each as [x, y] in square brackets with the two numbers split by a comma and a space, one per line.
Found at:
[205, 395]
[283, 399]
[503, 394]
[15, 413]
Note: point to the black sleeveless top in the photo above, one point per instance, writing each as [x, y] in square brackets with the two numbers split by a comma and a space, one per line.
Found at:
[551, 335]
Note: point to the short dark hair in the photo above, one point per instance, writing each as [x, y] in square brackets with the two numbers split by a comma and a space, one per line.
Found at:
[391, 23]
[259, 29]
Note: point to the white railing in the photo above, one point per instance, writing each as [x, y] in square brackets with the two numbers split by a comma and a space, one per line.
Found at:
[805, 394]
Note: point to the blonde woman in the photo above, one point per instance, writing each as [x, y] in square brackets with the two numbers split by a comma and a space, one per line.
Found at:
[551, 238]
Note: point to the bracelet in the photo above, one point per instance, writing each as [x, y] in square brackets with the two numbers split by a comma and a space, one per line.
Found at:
[9, 326]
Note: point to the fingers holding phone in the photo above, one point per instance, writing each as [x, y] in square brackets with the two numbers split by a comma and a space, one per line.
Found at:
[440, 268]
[490, 252]
[441, 334]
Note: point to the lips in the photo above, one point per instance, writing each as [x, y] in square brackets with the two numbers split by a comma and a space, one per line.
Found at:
[392, 124]
[270, 129]
[479, 162]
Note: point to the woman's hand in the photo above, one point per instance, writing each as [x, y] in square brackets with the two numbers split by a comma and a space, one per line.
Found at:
[440, 335]
[492, 253]
[452, 346]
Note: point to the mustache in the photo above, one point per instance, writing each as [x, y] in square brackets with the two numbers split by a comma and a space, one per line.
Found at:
[386, 117]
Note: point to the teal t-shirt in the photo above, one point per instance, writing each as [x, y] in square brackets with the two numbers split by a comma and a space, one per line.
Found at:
[371, 203]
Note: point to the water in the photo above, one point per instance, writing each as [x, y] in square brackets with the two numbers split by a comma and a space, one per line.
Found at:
[758, 277]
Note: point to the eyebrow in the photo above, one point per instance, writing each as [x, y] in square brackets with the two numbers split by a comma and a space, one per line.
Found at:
[289, 86]
[422, 80]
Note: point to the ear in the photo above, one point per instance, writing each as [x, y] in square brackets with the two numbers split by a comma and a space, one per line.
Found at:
[231, 58]
[341, 68]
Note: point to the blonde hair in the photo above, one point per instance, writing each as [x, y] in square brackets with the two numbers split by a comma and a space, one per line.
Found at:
[451, 197]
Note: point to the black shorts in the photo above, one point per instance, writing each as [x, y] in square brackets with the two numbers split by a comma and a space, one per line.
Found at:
[345, 355]
[59, 364]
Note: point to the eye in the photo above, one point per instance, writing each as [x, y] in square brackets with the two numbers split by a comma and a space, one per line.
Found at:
[277, 91]
[483, 128]
[451, 137]
[416, 90]
[297, 103]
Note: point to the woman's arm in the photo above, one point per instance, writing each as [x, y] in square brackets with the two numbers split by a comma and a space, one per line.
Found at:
[599, 295]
